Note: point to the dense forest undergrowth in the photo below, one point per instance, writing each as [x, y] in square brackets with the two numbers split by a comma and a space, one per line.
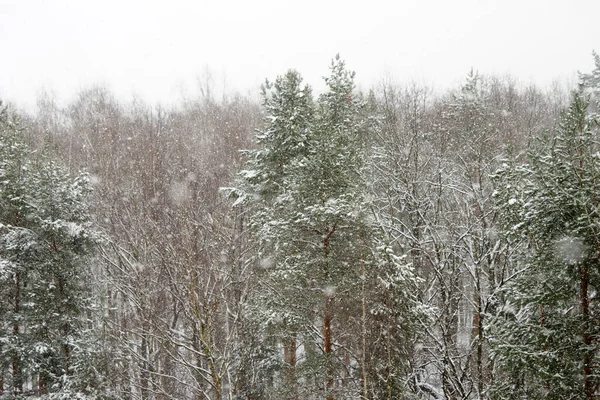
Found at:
[393, 244]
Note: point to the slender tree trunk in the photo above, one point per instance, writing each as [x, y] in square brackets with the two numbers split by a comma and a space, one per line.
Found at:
[328, 316]
[389, 345]
[480, 377]
[328, 343]
[16, 359]
[478, 329]
[43, 383]
[584, 277]
[144, 375]
[289, 356]
[198, 359]
[65, 327]
[167, 382]
[207, 346]
[544, 347]
[218, 382]
[587, 336]
[363, 358]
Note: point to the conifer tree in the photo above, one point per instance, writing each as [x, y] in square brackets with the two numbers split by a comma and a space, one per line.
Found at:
[545, 337]
[267, 183]
[323, 252]
[46, 240]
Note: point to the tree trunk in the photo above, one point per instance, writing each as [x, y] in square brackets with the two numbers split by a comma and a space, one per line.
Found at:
[43, 383]
[478, 329]
[363, 358]
[289, 357]
[218, 386]
[65, 328]
[16, 359]
[144, 375]
[328, 343]
[588, 377]
[328, 316]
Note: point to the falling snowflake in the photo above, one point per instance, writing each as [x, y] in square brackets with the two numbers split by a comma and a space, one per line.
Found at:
[570, 250]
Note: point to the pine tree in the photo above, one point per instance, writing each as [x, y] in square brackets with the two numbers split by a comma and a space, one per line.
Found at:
[45, 244]
[266, 186]
[323, 256]
[544, 341]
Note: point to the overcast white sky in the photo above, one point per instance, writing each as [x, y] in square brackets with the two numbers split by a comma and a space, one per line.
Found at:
[159, 49]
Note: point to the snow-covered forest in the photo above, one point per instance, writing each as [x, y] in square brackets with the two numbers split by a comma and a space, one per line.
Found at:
[392, 243]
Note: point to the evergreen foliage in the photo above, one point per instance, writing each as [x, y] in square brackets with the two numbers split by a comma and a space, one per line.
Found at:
[320, 248]
[544, 344]
[364, 256]
[46, 240]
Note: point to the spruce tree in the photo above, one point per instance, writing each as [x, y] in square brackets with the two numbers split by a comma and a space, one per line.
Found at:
[545, 337]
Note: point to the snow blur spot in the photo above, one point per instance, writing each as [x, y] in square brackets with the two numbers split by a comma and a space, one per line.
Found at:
[512, 201]
[570, 250]
[179, 193]
[266, 262]
[224, 257]
[73, 229]
[492, 234]
[95, 180]
[137, 266]
[191, 177]
[330, 291]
